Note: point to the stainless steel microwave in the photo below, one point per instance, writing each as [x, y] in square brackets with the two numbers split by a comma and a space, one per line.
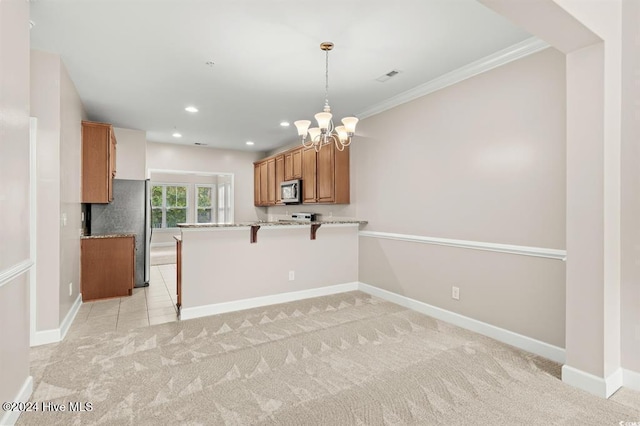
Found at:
[291, 191]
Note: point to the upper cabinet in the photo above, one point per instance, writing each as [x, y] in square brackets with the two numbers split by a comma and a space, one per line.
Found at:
[309, 179]
[293, 164]
[280, 167]
[98, 162]
[264, 189]
[324, 174]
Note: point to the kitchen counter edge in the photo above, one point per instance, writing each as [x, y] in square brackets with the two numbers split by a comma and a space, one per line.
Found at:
[87, 237]
[278, 223]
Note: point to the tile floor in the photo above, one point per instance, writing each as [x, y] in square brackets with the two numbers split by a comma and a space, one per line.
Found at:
[147, 306]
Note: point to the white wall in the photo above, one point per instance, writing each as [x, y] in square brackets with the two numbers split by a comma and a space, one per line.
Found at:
[193, 158]
[57, 106]
[483, 160]
[45, 106]
[131, 154]
[630, 291]
[14, 203]
[71, 116]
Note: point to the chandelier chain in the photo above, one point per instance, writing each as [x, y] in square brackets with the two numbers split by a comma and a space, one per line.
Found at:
[326, 80]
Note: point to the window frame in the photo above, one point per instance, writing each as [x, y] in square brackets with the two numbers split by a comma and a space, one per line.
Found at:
[164, 206]
[212, 206]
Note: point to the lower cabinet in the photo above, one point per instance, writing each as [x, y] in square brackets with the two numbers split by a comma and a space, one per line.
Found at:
[107, 267]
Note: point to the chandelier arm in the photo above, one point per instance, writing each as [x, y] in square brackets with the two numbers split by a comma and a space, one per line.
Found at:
[304, 143]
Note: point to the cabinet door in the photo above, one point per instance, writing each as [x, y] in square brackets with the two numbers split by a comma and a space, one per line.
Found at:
[112, 162]
[256, 184]
[107, 267]
[271, 181]
[325, 174]
[309, 175]
[96, 162]
[293, 164]
[341, 184]
[296, 164]
[264, 185]
[288, 166]
[279, 177]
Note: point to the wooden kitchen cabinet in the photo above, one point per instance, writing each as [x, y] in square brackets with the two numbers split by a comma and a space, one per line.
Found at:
[271, 181]
[279, 177]
[293, 164]
[98, 162]
[309, 175]
[256, 184]
[325, 176]
[264, 182]
[107, 267]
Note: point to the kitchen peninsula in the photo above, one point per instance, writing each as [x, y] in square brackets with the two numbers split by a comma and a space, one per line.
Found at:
[228, 267]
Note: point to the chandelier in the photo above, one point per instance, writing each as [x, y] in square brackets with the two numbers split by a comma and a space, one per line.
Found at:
[325, 133]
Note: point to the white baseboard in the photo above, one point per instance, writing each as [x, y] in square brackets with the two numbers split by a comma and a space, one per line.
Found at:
[44, 337]
[255, 302]
[631, 379]
[55, 335]
[595, 385]
[11, 417]
[525, 343]
[71, 315]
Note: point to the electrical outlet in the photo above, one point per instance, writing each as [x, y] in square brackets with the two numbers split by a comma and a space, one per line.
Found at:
[70, 289]
[455, 293]
[292, 275]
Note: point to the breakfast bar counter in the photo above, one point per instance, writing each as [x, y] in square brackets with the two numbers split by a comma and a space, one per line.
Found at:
[224, 267]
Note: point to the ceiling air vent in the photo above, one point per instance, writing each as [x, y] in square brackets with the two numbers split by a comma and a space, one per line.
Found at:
[200, 144]
[387, 76]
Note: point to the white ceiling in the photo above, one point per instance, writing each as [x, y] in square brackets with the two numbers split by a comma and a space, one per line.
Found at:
[138, 63]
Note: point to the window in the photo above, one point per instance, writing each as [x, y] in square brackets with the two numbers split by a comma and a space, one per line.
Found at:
[168, 205]
[190, 197]
[205, 198]
[224, 203]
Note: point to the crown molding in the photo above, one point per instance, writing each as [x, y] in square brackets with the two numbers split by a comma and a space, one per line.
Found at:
[517, 51]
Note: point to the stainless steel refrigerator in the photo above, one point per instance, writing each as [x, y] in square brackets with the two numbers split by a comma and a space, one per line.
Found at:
[129, 212]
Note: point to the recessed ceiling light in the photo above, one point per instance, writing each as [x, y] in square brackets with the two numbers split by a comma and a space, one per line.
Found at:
[249, 143]
[177, 135]
[284, 123]
[191, 109]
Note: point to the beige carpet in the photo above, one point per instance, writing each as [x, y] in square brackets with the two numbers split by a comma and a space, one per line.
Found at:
[347, 359]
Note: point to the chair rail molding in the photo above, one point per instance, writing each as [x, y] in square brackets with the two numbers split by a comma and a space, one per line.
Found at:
[8, 274]
[475, 245]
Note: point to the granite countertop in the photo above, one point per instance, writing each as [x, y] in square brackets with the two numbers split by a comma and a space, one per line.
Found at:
[86, 237]
[273, 223]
